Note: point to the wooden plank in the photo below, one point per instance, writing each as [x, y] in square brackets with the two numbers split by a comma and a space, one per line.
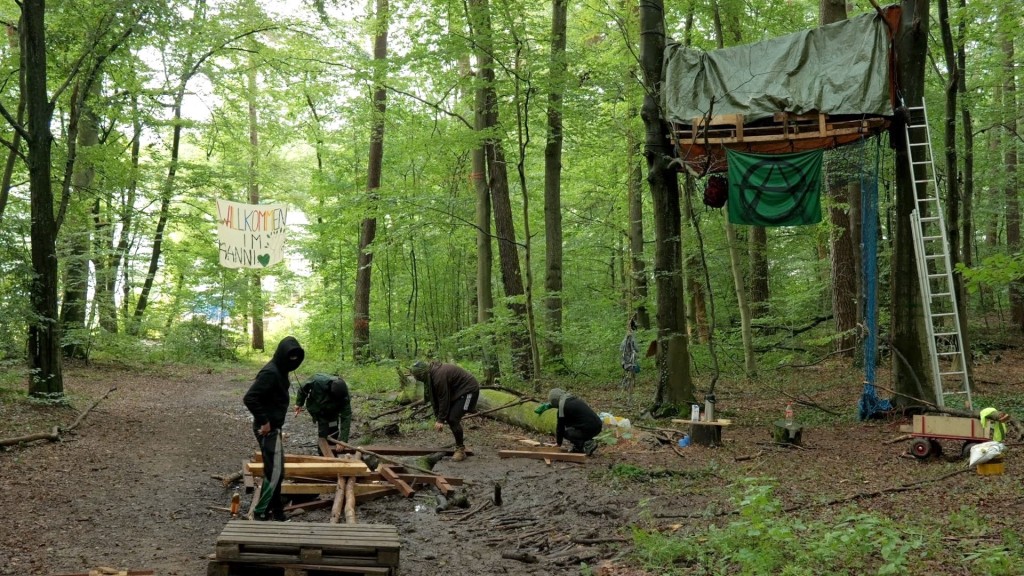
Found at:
[398, 450]
[301, 531]
[104, 571]
[365, 494]
[247, 478]
[389, 474]
[701, 422]
[295, 458]
[317, 469]
[325, 446]
[413, 479]
[290, 487]
[327, 564]
[561, 456]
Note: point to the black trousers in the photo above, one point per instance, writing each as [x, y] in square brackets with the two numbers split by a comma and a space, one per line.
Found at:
[579, 436]
[273, 474]
[463, 404]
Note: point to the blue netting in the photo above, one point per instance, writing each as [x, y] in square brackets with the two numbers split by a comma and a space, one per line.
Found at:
[870, 404]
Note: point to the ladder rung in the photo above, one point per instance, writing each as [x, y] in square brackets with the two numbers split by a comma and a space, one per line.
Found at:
[931, 237]
[936, 294]
[936, 275]
[954, 393]
[930, 219]
[938, 334]
[943, 314]
[951, 373]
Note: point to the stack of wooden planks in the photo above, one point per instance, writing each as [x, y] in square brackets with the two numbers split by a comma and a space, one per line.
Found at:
[305, 549]
[343, 482]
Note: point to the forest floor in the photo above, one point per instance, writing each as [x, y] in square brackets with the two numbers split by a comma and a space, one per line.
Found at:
[131, 486]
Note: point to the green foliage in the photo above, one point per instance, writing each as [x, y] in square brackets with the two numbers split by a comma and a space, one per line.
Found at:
[998, 560]
[197, 340]
[766, 541]
[995, 270]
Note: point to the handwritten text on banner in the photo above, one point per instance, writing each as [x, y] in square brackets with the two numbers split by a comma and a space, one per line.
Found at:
[250, 236]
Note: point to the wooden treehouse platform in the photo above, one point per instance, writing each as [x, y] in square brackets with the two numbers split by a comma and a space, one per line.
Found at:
[702, 143]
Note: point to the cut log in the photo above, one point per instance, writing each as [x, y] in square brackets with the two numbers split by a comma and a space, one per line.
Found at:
[521, 415]
[316, 469]
[350, 501]
[560, 456]
[339, 499]
[791, 433]
[704, 435]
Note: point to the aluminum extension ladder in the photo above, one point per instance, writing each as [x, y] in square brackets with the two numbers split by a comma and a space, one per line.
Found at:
[931, 248]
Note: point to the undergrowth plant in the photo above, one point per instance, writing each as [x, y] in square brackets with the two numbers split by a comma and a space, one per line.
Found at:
[764, 540]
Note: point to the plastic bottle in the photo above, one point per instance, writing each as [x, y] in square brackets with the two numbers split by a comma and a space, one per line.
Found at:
[789, 414]
[236, 502]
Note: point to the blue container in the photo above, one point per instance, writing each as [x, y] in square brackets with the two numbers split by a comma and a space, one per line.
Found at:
[684, 441]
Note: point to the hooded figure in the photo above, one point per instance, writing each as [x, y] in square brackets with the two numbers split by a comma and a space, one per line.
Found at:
[267, 399]
[452, 391]
[327, 400]
[577, 422]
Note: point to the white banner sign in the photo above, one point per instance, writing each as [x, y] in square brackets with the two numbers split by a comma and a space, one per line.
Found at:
[250, 236]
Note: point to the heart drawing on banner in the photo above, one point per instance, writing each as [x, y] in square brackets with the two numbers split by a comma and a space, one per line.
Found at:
[263, 259]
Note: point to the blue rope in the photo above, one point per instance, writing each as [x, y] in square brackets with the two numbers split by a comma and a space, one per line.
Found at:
[870, 403]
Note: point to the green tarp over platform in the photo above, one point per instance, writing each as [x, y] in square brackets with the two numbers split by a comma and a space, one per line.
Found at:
[841, 68]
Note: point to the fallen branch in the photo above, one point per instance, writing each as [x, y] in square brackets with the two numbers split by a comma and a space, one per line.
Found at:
[524, 557]
[509, 405]
[229, 480]
[396, 410]
[803, 402]
[749, 456]
[381, 457]
[591, 541]
[87, 410]
[898, 439]
[52, 436]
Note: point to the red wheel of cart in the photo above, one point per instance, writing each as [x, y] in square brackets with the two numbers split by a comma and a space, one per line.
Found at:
[921, 448]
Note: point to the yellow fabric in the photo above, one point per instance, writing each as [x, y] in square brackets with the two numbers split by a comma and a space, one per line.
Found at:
[998, 428]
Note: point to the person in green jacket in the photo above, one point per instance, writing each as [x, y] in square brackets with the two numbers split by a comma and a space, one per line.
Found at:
[998, 420]
[327, 400]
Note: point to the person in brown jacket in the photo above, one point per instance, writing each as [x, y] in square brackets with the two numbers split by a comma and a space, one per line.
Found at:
[452, 392]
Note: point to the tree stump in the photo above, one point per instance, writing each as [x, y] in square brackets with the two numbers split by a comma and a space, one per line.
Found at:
[706, 434]
[784, 433]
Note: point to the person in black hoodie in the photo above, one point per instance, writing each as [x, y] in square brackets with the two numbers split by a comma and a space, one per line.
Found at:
[452, 392]
[577, 422]
[267, 399]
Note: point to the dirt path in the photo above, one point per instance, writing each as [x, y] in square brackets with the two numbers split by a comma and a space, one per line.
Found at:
[132, 488]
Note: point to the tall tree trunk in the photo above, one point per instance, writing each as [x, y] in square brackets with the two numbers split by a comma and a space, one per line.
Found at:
[166, 194]
[522, 100]
[908, 331]
[1012, 198]
[494, 155]
[675, 386]
[968, 135]
[14, 150]
[952, 204]
[117, 261]
[749, 359]
[76, 281]
[368, 229]
[634, 182]
[46, 375]
[758, 256]
[843, 273]
[256, 290]
[553, 188]
[484, 248]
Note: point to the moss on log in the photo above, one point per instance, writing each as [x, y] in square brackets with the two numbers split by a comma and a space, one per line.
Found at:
[521, 415]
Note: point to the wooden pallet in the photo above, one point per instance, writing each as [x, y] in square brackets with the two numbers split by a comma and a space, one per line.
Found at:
[306, 548]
